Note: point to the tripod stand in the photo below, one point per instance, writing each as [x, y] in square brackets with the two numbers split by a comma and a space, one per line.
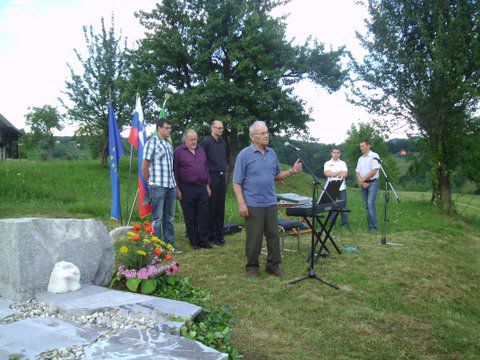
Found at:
[388, 186]
[311, 269]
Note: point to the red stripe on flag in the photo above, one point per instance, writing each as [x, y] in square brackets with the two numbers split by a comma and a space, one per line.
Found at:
[144, 207]
[133, 137]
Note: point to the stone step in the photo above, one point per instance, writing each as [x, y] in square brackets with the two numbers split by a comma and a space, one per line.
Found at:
[30, 337]
[150, 345]
[171, 314]
[5, 308]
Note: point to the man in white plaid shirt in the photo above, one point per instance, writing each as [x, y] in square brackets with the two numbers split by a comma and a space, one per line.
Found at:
[157, 168]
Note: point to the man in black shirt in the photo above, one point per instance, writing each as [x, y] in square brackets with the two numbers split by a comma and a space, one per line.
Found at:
[218, 154]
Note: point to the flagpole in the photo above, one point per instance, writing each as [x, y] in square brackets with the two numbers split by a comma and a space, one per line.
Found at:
[129, 180]
[133, 207]
[130, 174]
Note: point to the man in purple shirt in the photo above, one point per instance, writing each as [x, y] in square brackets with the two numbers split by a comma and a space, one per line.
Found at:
[193, 188]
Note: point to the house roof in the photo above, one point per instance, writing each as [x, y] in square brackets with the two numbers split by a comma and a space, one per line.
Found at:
[5, 123]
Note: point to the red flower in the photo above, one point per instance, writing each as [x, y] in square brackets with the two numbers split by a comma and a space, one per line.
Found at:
[153, 231]
[136, 237]
[168, 257]
[157, 251]
[137, 227]
[148, 229]
[146, 224]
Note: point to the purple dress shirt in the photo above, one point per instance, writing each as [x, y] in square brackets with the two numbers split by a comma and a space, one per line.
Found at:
[190, 168]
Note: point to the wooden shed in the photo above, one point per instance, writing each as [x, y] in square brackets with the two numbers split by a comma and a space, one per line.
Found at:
[9, 135]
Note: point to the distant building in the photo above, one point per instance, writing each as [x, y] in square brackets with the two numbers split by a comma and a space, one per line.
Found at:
[9, 135]
[403, 152]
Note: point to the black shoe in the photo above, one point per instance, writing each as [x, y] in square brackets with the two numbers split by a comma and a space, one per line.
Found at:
[206, 246]
[220, 242]
[195, 247]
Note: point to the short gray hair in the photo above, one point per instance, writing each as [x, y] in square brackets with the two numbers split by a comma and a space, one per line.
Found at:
[185, 134]
[256, 123]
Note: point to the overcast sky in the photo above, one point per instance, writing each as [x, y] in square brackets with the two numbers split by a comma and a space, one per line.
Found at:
[37, 38]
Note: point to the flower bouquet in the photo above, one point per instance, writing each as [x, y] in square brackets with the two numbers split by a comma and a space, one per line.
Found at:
[145, 261]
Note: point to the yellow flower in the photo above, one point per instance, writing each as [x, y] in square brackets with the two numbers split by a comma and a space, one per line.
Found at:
[169, 247]
[155, 239]
[141, 252]
[163, 243]
[123, 250]
[146, 241]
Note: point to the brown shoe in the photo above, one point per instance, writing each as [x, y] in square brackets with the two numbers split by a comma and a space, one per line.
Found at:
[274, 272]
[252, 273]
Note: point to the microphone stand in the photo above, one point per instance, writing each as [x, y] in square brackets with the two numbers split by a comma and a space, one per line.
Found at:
[388, 186]
[311, 269]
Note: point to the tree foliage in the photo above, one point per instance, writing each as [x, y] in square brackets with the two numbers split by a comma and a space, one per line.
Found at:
[422, 68]
[42, 120]
[104, 74]
[228, 60]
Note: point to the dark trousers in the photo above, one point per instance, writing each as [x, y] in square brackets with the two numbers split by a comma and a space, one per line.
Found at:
[344, 215]
[262, 221]
[195, 212]
[216, 206]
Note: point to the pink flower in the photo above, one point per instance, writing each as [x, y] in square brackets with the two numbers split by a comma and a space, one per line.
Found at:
[142, 273]
[121, 269]
[152, 271]
[129, 274]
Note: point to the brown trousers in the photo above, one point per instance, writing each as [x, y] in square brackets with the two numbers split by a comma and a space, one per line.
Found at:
[262, 221]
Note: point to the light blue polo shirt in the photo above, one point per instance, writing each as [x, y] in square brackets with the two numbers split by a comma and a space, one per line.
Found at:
[255, 173]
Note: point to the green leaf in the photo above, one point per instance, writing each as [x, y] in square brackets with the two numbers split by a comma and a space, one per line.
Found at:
[132, 284]
[148, 286]
[170, 280]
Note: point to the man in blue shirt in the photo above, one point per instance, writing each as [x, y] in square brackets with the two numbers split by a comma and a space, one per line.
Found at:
[256, 169]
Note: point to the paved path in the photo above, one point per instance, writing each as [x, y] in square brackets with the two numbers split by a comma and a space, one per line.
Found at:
[99, 323]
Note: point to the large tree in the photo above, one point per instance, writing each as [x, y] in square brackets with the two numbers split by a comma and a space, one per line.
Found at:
[42, 121]
[422, 68]
[104, 74]
[228, 60]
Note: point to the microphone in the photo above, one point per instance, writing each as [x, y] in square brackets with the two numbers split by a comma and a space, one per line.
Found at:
[294, 148]
[380, 161]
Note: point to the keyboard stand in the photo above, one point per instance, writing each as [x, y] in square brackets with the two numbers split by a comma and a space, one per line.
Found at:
[324, 234]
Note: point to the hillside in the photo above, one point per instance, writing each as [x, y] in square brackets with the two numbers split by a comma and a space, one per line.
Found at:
[415, 300]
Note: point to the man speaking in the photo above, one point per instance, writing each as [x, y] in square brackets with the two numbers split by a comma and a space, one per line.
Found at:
[256, 169]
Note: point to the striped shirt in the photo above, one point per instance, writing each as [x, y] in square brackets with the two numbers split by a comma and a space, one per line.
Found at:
[160, 154]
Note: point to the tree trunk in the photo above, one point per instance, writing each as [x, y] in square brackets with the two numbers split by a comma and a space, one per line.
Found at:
[442, 189]
[105, 154]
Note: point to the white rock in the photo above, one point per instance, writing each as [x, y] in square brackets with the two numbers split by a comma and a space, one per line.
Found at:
[65, 277]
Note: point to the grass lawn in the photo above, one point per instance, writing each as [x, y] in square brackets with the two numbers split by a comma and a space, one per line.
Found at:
[418, 300]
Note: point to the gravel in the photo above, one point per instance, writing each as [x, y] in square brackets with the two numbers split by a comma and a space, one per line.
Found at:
[108, 319]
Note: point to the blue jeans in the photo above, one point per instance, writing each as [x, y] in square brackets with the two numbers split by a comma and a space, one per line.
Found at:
[162, 200]
[369, 196]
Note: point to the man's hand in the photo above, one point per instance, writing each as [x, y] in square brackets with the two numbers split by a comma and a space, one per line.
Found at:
[179, 194]
[209, 191]
[243, 210]
[297, 167]
[365, 185]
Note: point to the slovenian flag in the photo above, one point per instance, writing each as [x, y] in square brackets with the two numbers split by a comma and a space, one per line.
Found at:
[115, 152]
[138, 138]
